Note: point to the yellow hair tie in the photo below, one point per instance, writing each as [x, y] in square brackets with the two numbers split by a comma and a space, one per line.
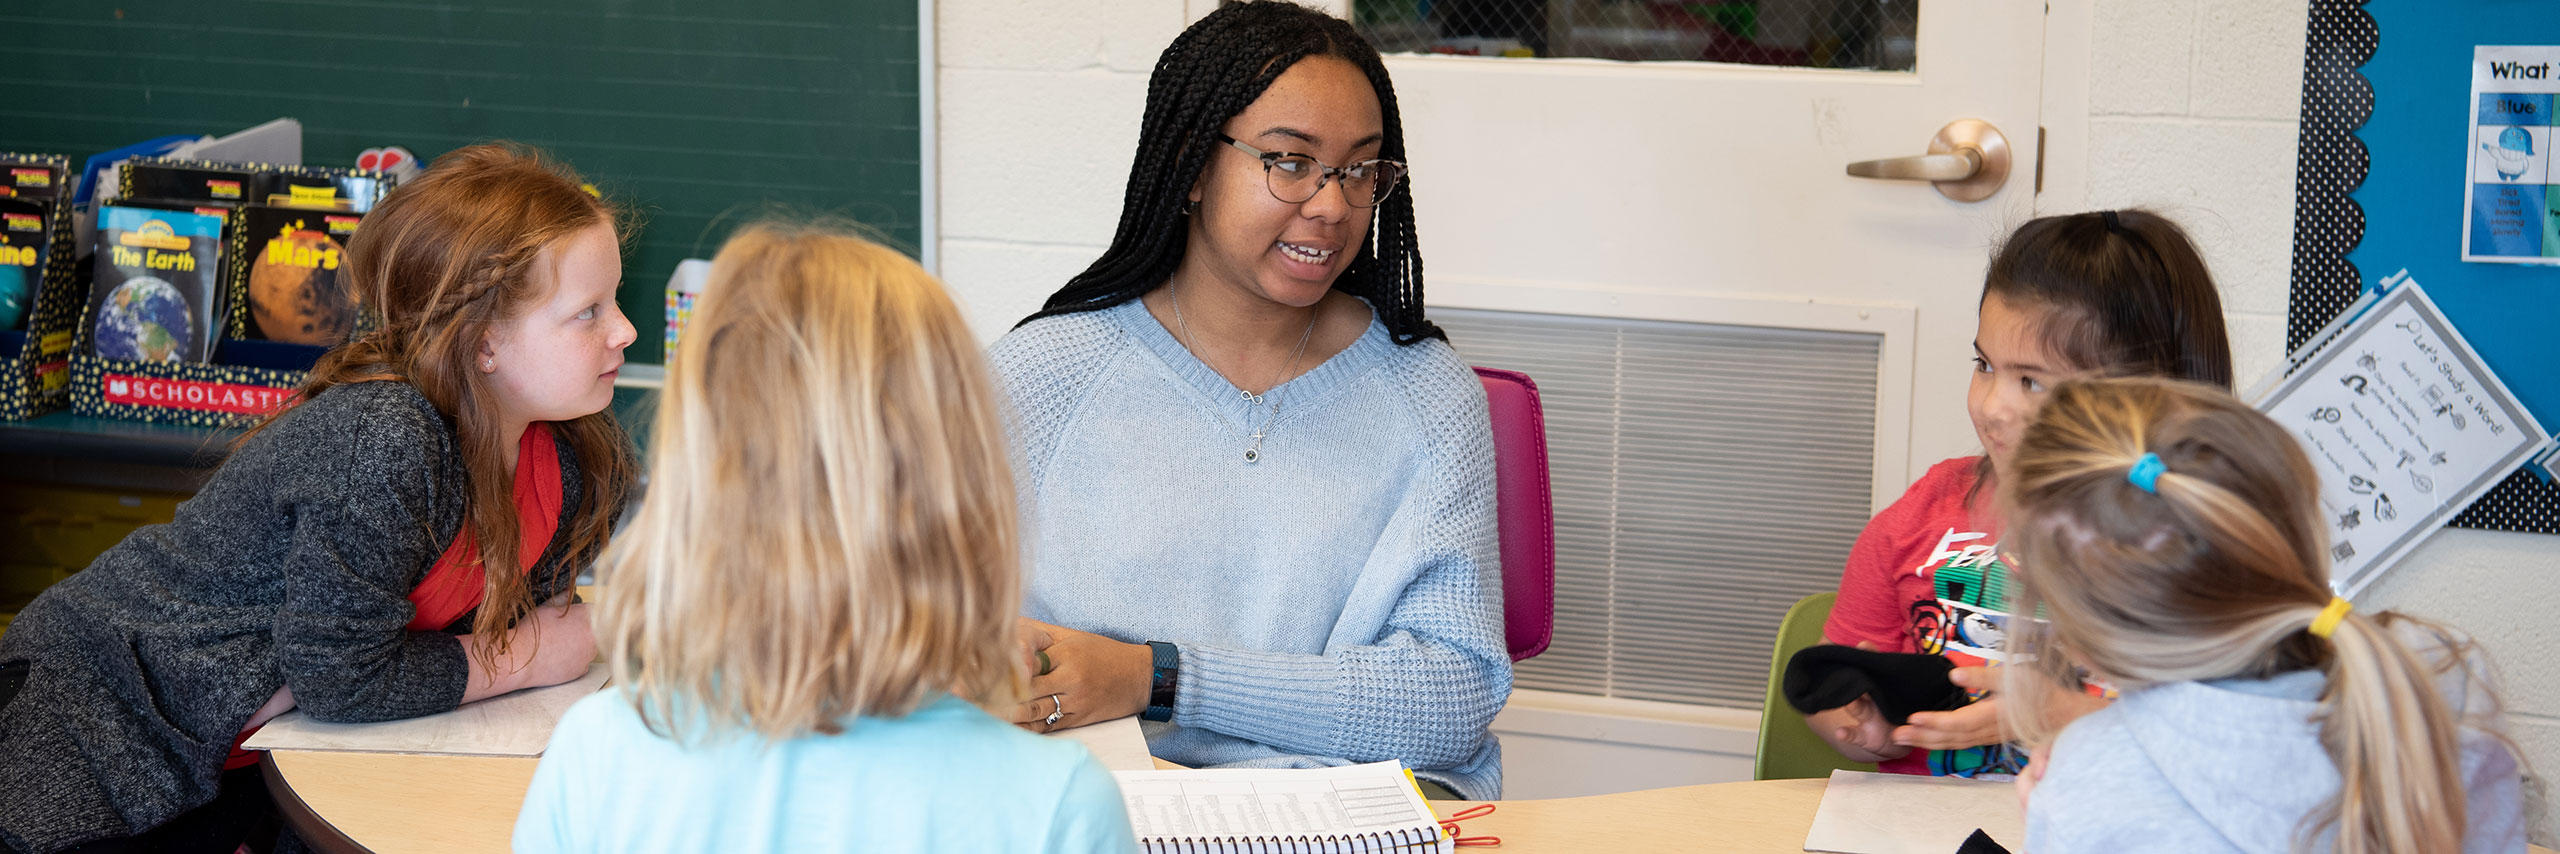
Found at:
[2328, 620]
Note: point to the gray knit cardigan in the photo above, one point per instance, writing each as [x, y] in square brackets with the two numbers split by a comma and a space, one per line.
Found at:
[291, 567]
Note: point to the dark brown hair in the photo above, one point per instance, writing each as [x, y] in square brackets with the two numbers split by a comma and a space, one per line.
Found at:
[438, 265]
[2124, 293]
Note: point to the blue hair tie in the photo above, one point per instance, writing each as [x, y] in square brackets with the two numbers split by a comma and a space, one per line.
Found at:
[2146, 473]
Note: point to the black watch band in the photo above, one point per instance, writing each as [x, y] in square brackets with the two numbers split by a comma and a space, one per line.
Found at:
[1167, 679]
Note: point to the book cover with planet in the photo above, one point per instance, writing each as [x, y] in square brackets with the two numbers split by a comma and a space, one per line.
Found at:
[294, 268]
[26, 232]
[154, 299]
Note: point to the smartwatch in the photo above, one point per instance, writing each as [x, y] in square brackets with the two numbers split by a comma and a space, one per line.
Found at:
[1168, 678]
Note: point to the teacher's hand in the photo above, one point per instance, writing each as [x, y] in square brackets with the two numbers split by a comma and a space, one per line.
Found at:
[1032, 638]
[1092, 679]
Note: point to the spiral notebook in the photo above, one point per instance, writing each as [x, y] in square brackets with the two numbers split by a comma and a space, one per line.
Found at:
[1372, 807]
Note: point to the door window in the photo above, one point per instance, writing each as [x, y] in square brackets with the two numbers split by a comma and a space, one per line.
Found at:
[1873, 35]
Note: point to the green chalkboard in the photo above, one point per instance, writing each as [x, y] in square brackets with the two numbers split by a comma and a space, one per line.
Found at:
[695, 114]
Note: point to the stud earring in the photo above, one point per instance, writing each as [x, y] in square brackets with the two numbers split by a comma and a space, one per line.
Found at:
[488, 365]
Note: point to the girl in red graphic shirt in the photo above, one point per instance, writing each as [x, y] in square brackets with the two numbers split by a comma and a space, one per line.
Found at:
[2113, 292]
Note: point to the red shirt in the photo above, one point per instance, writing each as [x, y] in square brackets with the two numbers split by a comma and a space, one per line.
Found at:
[454, 585]
[1926, 576]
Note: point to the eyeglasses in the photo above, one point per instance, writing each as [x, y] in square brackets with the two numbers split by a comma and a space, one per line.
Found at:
[1295, 178]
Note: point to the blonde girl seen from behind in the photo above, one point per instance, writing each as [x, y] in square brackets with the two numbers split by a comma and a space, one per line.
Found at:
[834, 532]
[2173, 539]
[819, 590]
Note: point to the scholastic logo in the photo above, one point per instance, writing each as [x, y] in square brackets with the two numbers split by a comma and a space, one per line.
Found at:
[31, 177]
[188, 394]
[223, 189]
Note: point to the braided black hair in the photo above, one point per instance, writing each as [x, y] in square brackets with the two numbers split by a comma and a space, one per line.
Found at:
[1211, 73]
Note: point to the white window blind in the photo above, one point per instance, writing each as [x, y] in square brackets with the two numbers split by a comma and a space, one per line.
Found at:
[1705, 477]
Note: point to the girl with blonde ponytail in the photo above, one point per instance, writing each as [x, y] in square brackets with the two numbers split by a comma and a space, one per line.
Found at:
[2173, 540]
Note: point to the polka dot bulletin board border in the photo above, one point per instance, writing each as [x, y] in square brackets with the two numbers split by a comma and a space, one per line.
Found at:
[2337, 99]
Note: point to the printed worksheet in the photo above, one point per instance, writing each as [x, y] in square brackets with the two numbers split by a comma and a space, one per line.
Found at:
[2406, 427]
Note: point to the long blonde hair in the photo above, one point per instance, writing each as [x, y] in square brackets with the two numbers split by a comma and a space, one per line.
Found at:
[2218, 575]
[829, 529]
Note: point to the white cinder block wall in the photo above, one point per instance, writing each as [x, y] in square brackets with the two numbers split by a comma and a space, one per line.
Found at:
[2192, 108]
[2185, 106]
[1039, 105]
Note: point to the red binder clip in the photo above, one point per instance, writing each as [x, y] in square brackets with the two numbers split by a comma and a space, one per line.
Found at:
[1450, 824]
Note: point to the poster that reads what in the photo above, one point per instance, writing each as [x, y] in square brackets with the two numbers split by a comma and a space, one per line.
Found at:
[2406, 427]
[2511, 212]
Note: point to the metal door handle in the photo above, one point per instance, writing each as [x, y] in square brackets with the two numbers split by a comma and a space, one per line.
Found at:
[1959, 166]
[1967, 161]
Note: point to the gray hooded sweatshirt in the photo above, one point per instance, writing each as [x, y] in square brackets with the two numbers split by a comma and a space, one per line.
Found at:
[2237, 765]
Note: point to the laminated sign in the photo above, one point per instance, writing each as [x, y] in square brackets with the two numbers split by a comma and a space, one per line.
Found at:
[2404, 424]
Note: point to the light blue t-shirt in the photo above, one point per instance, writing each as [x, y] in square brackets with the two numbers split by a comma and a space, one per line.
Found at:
[947, 778]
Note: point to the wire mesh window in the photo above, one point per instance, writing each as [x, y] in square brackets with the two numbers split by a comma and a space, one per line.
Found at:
[1705, 477]
[1875, 35]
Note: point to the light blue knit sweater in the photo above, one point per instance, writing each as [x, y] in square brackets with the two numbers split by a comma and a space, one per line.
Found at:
[1338, 601]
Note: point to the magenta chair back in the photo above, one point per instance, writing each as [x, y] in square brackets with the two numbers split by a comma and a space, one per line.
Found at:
[1527, 515]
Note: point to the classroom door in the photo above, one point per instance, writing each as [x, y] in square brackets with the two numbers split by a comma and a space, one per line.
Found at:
[1716, 192]
[1744, 351]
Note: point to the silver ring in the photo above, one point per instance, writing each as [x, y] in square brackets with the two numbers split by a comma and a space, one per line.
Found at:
[1056, 711]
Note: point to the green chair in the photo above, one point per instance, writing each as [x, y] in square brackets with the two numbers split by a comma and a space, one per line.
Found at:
[1789, 749]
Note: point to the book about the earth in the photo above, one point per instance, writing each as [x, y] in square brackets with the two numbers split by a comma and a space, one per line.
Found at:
[295, 259]
[155, 298]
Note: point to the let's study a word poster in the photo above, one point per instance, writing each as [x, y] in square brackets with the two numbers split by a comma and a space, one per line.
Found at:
[2406, 427]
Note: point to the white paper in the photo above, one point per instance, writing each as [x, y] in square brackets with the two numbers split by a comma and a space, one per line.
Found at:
[1229, 803]
[1870, 813]
[517, 724]
[1118, 743]
[277, 141]
[2509, 212]
[2406, 427]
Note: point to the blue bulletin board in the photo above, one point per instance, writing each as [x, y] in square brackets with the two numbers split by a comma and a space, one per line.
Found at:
[2386, 182]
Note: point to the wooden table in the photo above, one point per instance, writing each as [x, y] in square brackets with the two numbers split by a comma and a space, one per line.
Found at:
[394, 804]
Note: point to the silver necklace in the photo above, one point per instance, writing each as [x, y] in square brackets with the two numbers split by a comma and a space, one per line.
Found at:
[1253, 452]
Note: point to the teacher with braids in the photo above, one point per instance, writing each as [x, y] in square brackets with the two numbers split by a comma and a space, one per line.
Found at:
[1259, 481]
